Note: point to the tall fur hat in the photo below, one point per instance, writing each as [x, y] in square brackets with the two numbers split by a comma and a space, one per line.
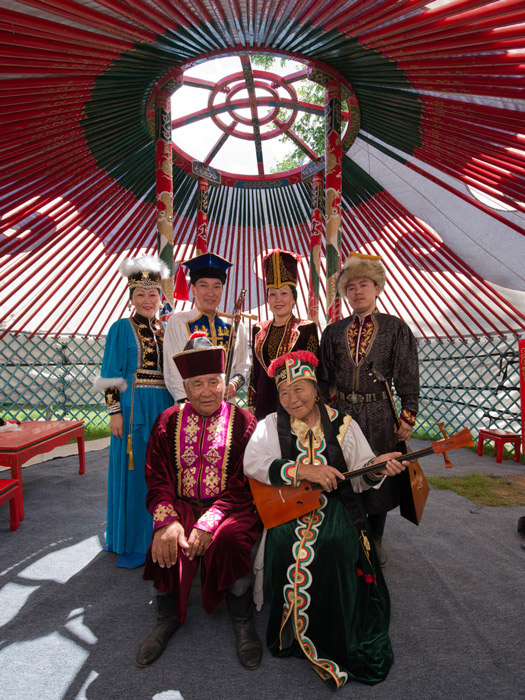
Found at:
[359, 265]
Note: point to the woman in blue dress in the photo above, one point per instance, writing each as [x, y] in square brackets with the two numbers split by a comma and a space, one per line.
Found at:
[132, 380]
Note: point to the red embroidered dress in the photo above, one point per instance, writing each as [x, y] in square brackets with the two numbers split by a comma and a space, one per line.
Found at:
[268, 343]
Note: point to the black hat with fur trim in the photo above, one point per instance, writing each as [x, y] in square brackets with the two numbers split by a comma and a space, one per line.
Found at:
[360, 265]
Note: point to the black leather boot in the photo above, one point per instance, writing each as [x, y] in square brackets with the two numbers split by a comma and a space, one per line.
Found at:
[165, 627]
[249, 648]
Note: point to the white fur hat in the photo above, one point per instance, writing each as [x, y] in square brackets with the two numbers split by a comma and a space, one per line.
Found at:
[145, 272]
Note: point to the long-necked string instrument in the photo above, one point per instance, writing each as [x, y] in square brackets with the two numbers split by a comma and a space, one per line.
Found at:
[279, 504]
[412, 486]
[230, 350]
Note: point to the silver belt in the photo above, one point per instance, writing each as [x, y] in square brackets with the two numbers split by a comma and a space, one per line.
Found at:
[362, 398]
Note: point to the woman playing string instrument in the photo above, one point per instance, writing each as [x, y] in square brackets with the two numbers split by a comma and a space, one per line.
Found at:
[328, 599]
[280, 335]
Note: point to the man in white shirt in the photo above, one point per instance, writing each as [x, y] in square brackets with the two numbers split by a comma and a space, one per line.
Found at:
[207, 276]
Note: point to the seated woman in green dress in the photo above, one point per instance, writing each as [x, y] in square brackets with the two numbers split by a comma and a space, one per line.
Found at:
[328, 598]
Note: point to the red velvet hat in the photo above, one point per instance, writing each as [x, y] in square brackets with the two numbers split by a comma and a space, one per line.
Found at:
[200, 357]
[280, 268]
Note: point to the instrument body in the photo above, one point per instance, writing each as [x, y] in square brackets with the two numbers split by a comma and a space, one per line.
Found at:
[280, 504]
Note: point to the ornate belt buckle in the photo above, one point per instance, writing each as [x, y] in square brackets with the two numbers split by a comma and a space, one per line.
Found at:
[354, 398]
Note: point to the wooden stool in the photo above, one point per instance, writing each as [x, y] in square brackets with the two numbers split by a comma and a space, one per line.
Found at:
[10, 491]
[500, 437]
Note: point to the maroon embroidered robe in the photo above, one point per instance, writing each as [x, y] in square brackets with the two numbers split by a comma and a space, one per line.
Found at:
[194, 474]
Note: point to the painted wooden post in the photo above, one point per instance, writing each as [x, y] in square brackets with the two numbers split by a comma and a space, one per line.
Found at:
[164, 183]
[316, 229]
[521, 354]
[201, 242]
[333, 181]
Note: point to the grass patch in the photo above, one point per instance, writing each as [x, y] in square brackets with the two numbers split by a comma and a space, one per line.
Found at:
[484, 489]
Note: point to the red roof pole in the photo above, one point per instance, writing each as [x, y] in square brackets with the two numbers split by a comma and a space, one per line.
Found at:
[333, 180]
[164, 180]
[201, 242]
[316, 229]
[521, 354]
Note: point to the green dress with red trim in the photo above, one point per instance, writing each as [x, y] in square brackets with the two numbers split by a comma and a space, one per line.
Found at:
[328, 598]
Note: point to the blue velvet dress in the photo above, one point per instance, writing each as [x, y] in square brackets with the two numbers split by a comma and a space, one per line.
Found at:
[133, 358]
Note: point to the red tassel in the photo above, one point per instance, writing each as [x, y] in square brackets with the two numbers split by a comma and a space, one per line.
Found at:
[181, 292]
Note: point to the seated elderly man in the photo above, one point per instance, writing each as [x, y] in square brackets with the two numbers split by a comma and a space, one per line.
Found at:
[201, 505]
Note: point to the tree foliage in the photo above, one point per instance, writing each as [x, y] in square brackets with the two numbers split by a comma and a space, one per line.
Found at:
[309, 127]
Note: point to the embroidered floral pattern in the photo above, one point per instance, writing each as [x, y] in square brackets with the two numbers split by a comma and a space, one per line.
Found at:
[408, 416]
[112, 396]
[164, 511]
[202, 446]
[149, 335]
[211, 480]
[217, 330]
[191, 429]
[362, 333]
[297, 598]
[188, 481]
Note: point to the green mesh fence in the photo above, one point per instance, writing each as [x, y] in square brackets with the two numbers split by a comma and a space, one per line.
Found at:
[472, 383]
[51, 378]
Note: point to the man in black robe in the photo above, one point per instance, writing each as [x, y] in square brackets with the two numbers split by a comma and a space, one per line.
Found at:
[355, 356]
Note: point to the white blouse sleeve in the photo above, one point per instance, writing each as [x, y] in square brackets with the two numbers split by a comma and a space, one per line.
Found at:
[262, 449]
[357, 453]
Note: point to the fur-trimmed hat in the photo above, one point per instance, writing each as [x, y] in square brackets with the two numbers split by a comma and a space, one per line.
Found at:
[146, 272]
[200, 356]
[292, 366]
[359, 265]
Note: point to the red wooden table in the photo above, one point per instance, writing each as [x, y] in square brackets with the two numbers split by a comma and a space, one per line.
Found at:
[34, 438]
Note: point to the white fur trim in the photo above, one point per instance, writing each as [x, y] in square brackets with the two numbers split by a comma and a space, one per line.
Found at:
[101, 384]
[147, 263]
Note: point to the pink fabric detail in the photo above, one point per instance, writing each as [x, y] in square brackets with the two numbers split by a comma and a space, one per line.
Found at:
[203, 447]
[210, 520]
